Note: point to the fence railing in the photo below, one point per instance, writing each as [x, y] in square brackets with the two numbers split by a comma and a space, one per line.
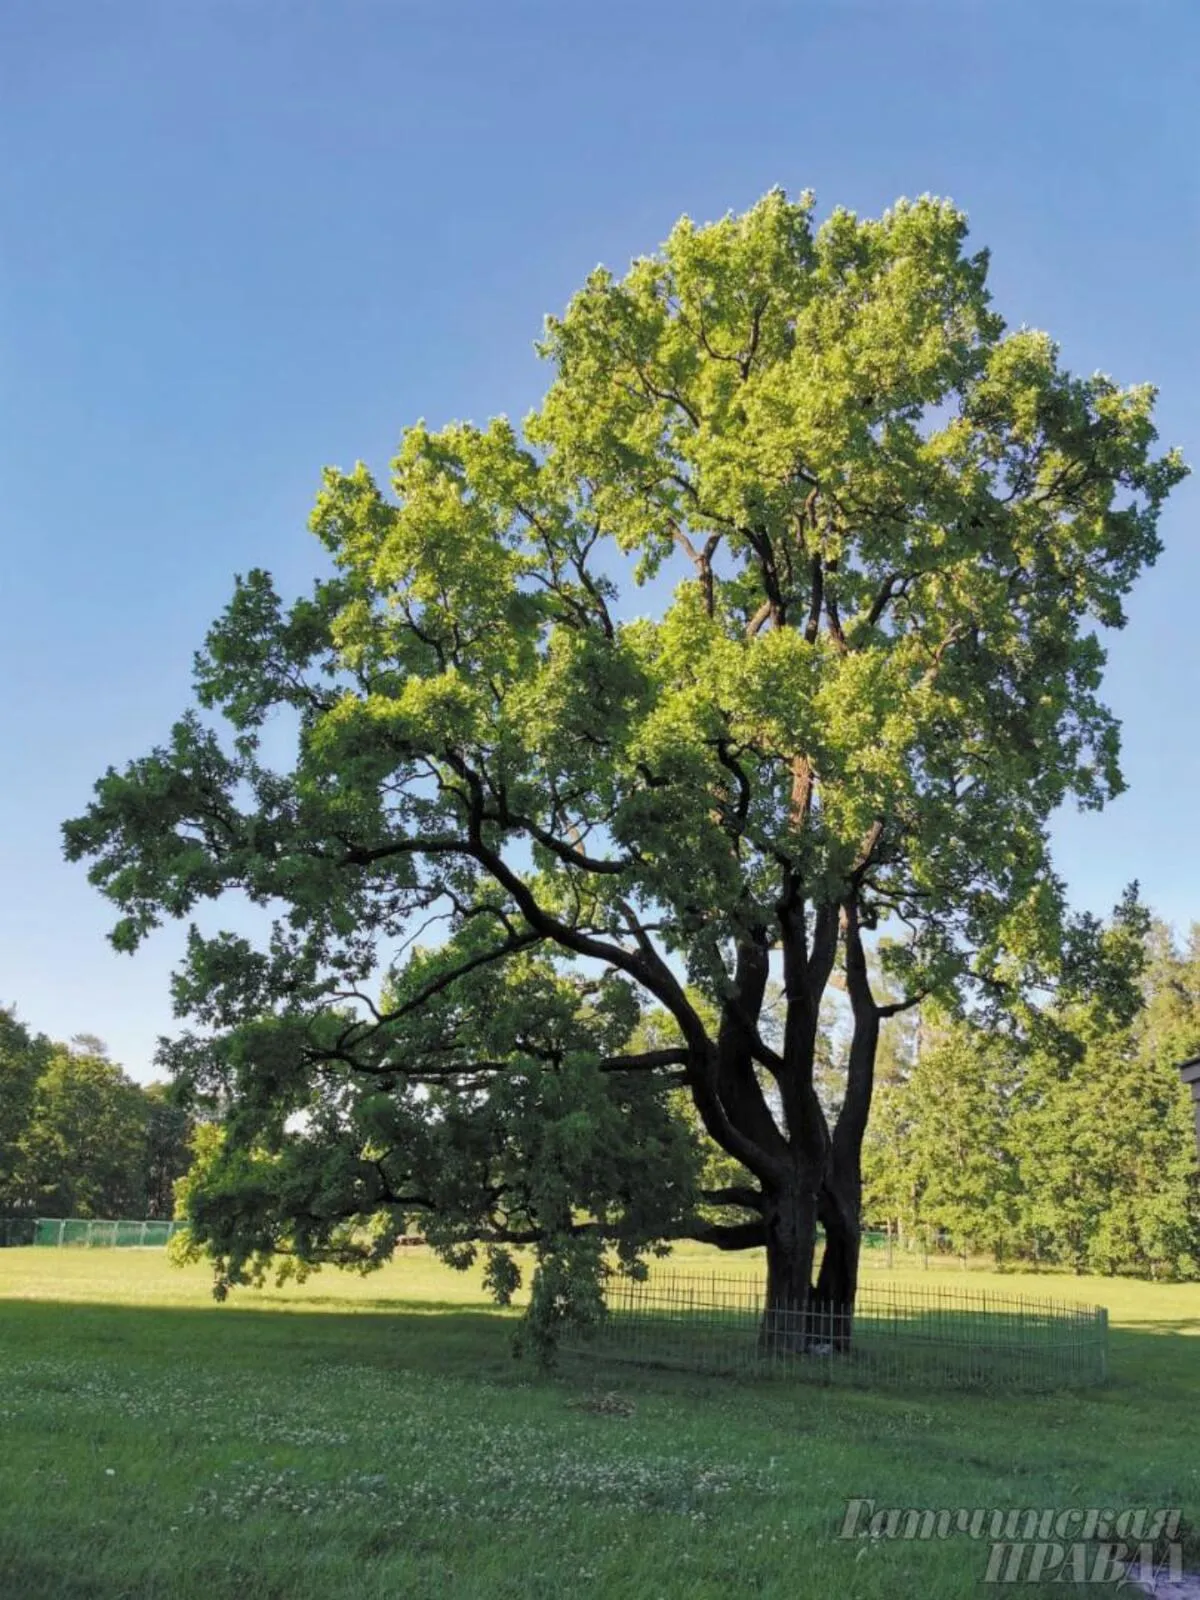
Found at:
[930, 1337]
[121, 1233]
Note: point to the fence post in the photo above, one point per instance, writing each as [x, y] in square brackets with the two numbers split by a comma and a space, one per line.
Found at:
[62, 1230]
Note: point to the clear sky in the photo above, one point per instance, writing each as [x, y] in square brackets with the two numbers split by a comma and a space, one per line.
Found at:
[242, 240]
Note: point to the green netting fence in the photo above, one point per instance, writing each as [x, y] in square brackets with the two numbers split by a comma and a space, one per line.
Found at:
[89, 1232]
[936, 1338]
[926, 1248]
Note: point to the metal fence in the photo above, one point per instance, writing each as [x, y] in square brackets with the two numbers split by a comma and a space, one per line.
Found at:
[936, 1338]
[86, 1231]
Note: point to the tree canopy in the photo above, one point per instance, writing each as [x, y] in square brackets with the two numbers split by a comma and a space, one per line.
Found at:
[78, 1137]
[876, 534]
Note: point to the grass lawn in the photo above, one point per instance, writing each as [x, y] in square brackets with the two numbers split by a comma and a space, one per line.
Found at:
[374, 1438]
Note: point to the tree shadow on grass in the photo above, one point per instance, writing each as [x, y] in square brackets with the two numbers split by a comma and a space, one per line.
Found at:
[444, 1338]
[248, 1300]
[1125, 1445]
[441, 1338]
[447, 1340]
[1183, 1325]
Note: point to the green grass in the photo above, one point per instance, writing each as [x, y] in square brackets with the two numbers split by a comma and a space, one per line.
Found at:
[374, 1438]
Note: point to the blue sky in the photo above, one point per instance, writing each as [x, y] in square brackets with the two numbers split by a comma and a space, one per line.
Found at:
[239, 241]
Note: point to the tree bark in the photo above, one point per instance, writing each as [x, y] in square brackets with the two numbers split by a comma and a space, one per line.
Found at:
[809, 1174]
[790, 1218]
[832, 1311]
[801, 1316]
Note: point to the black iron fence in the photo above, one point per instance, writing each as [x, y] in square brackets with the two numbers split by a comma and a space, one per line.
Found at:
[943, 1338]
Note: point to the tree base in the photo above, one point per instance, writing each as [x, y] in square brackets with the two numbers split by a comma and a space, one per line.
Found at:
[813, 1329]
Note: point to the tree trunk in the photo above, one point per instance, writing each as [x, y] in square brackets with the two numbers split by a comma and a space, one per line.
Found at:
[791, 1226]
[832, 1310]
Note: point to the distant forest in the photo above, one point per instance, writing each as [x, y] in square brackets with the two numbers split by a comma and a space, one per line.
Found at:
[1066, 1139]
[78, 1137]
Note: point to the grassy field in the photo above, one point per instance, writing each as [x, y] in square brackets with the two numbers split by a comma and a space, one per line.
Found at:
[374, 1438]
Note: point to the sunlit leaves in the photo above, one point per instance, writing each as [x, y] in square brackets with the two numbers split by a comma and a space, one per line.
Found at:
[883, 532]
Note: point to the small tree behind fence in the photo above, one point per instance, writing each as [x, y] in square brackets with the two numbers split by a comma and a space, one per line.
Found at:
[124, 1232]
[932, 1337]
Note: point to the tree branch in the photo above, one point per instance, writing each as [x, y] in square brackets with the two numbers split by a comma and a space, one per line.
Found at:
[739, 1089]
[860, 1072]
[734, 1195]
[647, 1061]
[895, 1007]
[727, 1235]
[566, 853]
[444, 980]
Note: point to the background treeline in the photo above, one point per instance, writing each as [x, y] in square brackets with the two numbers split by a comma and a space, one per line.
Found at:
[78, 1137]
[1066, 1139]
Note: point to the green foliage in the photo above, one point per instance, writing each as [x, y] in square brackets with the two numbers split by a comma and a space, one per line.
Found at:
[1070, 1143]
[78, 1138]
[855, 705]
[23, 1059]
[939, 1156]
[83, 1149]
[168, 1128]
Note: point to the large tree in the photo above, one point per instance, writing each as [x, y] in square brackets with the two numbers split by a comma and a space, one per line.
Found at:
[83, 1153]
[877, 533]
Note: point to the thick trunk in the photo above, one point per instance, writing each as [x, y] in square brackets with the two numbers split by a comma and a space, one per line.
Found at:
[799, 1316]
[833, 1299]
[808, 1174]
[791, 1226]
